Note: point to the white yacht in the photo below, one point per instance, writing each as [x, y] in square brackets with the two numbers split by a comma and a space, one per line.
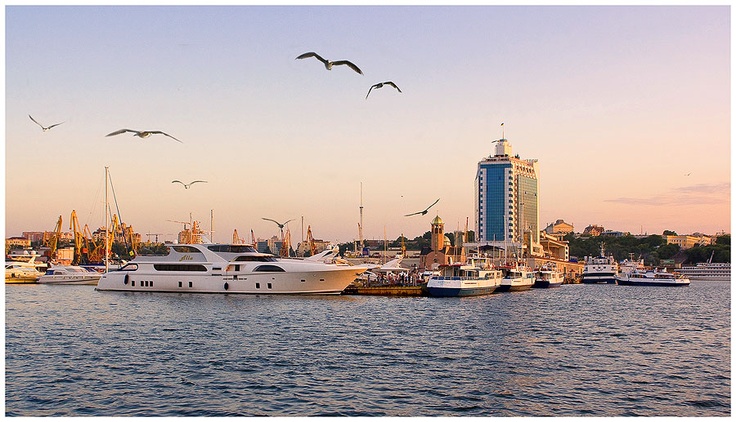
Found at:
[70, 274]
[227, 268]
[600, 269]
[21, 273]
[474, 278]
[651, 278]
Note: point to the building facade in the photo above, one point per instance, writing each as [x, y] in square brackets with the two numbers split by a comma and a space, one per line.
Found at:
[507, 200]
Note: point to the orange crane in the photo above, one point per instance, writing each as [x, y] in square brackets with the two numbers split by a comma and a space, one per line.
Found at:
[237, 240]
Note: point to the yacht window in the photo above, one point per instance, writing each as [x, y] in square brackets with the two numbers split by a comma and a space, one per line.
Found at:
[129, 267]
[258, 285]
[180, 267]
[269, 285]
[231, 248]
[265, 258]
[269, 269]
[185, 249]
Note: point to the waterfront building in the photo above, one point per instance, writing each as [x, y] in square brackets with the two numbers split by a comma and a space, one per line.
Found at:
[440, 252]
[559, 227]
[593, 230]
[507, 201]
[689, 241]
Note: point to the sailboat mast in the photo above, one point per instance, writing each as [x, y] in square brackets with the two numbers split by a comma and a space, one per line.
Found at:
[107, 222]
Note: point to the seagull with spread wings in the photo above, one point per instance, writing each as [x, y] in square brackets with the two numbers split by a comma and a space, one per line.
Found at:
[187, 185]
[380, 85]
[328, 63]
[143, 133]
[425, 210]
[42, 126]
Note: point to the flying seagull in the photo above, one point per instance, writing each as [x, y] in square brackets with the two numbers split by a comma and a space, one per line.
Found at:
[425, 210]
[281, 225]
[187, 185]
[42, 127]
[328, 63]
[380, 85]
[143, 133]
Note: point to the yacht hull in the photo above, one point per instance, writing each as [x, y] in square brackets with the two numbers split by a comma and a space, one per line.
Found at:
[323, 282]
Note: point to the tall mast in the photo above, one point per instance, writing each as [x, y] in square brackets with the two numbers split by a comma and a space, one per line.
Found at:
[107, 222]
[360, 227]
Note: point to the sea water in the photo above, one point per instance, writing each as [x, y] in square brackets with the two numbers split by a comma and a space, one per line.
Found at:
[576, 350]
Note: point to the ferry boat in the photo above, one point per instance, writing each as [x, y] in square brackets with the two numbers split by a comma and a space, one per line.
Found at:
[475, 278]
[516, 278]
[651, 278]
[228, 268]
[547, 277]
[600, 269]
[70, 274]
[707, 271]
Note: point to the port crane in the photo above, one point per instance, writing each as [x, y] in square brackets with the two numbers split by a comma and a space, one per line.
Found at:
[52, 239]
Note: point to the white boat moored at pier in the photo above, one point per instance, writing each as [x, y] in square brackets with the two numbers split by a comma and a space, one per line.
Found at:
[227, 268]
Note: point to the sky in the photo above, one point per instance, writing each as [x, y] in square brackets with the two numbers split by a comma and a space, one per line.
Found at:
[627, 109]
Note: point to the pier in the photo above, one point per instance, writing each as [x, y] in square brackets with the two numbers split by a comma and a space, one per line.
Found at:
[385, 290]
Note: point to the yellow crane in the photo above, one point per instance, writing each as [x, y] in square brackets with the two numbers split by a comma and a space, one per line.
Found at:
[78, 238]
[52, 239]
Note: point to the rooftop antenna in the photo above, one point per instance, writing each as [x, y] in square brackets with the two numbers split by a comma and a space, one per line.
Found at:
[360, 227]
[503, 131]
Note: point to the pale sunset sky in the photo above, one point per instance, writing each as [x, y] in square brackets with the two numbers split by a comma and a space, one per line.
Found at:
[627, 109]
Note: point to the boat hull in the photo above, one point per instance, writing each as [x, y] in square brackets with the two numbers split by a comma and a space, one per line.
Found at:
[460, 291]
[546, 284]
[66, 280]
[312, 282]
[607, 278]
[513, 287]
[665, 283]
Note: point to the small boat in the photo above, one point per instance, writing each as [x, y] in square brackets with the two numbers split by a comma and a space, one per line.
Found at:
[228, 268]
[546, 277]
[70, 274]
[517, 278]
[651, 278]
[475, 278]
[21, 273]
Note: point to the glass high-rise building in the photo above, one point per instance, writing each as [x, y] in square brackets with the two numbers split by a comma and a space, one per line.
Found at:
[507, 199]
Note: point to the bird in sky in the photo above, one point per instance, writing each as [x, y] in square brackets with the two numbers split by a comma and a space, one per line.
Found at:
[380, 85]
[281, 225]
[143, 133]
[42, 126]
[187, 185]
[425, 210]
[328, 63]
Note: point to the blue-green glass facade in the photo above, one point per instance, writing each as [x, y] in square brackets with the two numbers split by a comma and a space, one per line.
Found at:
[494, 195]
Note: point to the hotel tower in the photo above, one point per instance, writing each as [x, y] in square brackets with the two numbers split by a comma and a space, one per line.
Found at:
[507, 200]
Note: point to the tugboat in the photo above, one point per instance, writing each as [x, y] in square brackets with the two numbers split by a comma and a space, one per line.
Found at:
[600, 269]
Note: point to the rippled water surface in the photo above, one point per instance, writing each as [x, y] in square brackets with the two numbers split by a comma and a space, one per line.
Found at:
[578, 350]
